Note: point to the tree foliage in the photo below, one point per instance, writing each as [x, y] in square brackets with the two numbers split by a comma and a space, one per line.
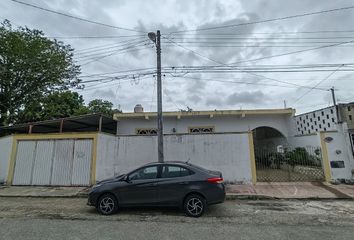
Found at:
[62, 104]
[101, 106]
[33, 68]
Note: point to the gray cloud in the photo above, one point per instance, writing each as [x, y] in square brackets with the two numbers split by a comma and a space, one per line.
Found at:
[247, 98]
[188, 14]
[194, 99]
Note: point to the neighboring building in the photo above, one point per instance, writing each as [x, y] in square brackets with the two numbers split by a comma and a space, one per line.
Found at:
[346, 114]
[319, 120]
[325, 119]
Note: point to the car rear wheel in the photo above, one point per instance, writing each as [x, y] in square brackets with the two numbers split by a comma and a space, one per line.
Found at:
[107, 204]
[194, 205]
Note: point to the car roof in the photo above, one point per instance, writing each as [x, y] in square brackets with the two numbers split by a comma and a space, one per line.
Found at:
[167, 162]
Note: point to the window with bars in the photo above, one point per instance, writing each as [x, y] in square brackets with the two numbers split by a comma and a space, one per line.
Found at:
[206, 129]
[146, 131]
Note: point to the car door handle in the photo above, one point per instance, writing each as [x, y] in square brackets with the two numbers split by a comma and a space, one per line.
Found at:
[183, 183]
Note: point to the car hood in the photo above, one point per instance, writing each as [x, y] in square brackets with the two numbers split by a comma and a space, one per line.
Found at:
[113, 179]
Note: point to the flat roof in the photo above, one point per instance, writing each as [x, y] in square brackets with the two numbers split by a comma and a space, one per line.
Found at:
[179, 114]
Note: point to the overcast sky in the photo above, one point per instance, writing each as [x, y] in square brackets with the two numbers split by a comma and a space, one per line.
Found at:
[201, 91]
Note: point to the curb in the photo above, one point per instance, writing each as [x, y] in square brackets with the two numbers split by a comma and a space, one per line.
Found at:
[229, 196]
[234, 196]
[85, 195]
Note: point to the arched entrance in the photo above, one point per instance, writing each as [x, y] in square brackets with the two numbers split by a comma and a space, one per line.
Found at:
[268, 137]
[277, 161]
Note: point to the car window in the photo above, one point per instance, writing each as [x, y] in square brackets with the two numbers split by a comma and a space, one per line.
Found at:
[198, 167]
[174, 171]
[144, 173]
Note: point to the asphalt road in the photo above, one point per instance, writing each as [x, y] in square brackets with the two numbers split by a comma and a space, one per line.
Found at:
[31, 218]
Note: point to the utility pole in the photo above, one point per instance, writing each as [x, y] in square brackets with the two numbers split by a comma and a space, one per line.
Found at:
[156, 39]
[335, 105]
[333, 97]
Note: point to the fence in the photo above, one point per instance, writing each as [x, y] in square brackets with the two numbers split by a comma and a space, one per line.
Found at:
[291, 164]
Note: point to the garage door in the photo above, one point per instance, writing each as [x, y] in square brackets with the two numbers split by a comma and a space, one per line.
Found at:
[64, 162]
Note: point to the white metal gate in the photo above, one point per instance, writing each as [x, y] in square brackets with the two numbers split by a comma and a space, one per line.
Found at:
[59, 162]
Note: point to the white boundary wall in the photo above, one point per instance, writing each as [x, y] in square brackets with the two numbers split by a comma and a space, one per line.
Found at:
[5, 154]
[338, 150]
[228, 153]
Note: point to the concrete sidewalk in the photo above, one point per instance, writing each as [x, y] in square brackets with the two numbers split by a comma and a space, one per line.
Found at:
[291, 190]
[296, 190]
[39, 191]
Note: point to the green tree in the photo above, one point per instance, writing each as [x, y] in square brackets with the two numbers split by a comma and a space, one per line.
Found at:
[32, 67]
[101, 106]
[55, 105]
[63, 104]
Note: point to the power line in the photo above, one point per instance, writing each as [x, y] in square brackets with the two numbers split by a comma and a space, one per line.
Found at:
[257, 46]
[94, 37]
[123, 71]
[327, 77]
[77, 18]
[237, 82]
[264, 33]
[112, 78]
[228, 38]
[263, 66]
[203, 67]
[110, 54]
[124, 79]
[104, 50]
[259, 71]
[294, 52]
[106, 46]
[205, 57]
[117, 49]
[265, 21]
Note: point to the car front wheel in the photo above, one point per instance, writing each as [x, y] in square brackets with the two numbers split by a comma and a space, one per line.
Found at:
[194, 205]
[107, 204]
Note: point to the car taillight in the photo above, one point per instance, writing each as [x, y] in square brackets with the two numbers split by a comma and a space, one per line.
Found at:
[215, 180]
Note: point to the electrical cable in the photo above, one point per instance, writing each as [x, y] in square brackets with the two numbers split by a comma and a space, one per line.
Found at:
[316, 85]
[75, 17]
[265, 21]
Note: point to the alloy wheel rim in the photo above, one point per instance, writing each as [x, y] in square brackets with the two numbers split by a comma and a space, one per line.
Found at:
[194, 206]
[107, 205]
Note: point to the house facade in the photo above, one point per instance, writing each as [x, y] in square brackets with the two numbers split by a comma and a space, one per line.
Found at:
[218, 121]
[248, 146]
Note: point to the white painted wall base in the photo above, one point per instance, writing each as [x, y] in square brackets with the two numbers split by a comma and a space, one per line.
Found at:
[5, 154]
[228, 153]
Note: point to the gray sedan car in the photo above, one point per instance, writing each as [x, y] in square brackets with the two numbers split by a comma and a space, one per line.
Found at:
[177, 184]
